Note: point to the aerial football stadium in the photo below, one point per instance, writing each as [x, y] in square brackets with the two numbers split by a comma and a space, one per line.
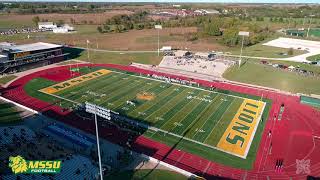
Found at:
[208, 128]
[159, 91]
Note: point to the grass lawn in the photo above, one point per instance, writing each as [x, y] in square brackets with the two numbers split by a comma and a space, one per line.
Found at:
[263, 75]
[147, 174]
[314, 58]
[121, 58]
[8, 114]
[260, 50]
[308, 67]
[5, 79]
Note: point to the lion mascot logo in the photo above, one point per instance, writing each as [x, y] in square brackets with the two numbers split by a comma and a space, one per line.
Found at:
[18, 164]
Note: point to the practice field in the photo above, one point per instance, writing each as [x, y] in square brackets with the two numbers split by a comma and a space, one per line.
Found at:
[219, 121]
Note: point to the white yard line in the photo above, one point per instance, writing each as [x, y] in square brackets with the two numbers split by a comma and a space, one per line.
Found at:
[185, 115]
[219, 120]
[208, 117]
[182, 85]
[166, 109]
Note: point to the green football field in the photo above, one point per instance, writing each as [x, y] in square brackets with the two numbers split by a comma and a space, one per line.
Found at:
[194, 116]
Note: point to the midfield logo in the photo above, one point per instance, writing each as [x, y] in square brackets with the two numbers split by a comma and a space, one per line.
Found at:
[19, 165]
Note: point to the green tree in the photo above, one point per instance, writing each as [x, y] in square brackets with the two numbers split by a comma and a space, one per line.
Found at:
[212, 29]
[230, 37]
[290, 51]
[60, 22]
[36, 20]
[107, 28]
[99, 29]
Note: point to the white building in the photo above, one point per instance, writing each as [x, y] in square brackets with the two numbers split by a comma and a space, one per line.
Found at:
[166, 48]
[60, 30]
[64, 29]
[205, 11]
[46, 25]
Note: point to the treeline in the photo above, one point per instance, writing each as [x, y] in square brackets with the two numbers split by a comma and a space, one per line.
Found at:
[122, 23]
[44, 8]
[284, 11]
[223, 28]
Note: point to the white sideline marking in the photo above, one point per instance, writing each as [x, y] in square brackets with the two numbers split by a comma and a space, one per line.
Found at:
[184, 172]
[19, 105]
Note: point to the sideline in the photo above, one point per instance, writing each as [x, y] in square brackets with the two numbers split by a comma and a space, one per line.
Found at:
[19, 105]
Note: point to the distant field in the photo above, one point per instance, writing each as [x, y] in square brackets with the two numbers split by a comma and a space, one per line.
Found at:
[263, 75]
[200, 117]
[133, 40]
[8, 114]
[19, 20]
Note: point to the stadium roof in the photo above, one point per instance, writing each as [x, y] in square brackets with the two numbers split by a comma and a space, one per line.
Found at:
[32, 47]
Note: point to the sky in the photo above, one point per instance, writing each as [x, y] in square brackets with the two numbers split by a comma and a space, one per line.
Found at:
[177, 1]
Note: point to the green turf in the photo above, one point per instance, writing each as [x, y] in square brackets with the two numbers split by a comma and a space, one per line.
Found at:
[146, 174]
[195, 113]
[308, 67]
[8, 114]
[268, 76]
[314, 58]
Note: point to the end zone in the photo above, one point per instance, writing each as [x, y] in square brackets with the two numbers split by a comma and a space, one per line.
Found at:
[239, 135]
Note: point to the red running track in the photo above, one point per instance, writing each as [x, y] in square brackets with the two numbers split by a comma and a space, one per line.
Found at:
[292, 137]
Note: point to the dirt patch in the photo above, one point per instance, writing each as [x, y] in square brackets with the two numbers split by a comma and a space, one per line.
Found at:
[147, 96]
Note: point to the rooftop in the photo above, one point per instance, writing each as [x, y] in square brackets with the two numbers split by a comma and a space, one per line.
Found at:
[32, 47]
[45, 23]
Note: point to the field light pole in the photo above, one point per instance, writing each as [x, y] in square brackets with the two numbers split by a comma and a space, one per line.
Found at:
[88, 50]
[243, 34]
[309, 25]
[98, 144]
[158, 27]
